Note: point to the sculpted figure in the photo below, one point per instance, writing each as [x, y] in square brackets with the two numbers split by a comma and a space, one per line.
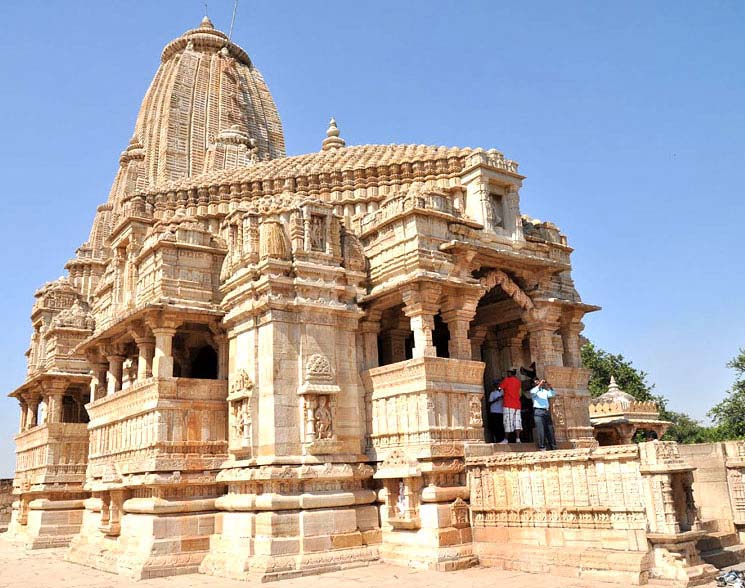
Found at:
[322, 418]
[244, 425]
[317, 230]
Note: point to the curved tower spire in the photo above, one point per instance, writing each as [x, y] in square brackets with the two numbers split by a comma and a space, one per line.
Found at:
[205, 95]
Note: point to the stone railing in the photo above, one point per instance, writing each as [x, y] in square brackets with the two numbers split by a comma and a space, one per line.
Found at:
[425, 400]
[51, 453]
[623, 509]
[735, 463]
[491, 158]
[407, 202]
[134, 428]
[612, 409]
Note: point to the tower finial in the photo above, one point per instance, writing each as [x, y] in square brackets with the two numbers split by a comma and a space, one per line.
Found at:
[332, 140]
[206, 23]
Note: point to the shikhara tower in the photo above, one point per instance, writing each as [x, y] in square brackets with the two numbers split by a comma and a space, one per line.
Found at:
[266, 365]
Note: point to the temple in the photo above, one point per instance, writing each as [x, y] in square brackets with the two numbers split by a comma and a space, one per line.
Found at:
[259, 366]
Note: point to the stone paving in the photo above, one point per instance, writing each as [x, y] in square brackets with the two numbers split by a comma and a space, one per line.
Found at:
[46, 568]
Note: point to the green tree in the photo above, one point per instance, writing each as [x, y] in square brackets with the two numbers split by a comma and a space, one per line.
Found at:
[630, 379]
[685, 429]
[729, 414]
[603, 365]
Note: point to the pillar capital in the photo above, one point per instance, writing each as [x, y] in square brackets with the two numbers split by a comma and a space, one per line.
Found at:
[163, 322]
[164, 331]
[421, 298]
[544, 315]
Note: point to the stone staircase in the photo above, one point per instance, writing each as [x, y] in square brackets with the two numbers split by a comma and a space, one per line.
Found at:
[720, 548]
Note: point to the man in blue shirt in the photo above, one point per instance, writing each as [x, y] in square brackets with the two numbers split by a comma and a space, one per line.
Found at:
[544, 426]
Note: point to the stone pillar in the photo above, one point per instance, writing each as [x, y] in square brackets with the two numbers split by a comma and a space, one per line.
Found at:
[512, 219]
[24, 414]
[477, 335]
[114, 374]
[98, 379]
[32, 405]
[421, 303]
[458, 310]
[570, 331]
[397, 344]
[55, 406]
[146, 349]
[221, 342]
[163, 362]
[369, 330]
[492, 362]
[542, 324]
[510, 343]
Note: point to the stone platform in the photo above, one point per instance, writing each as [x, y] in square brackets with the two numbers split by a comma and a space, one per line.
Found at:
[47, 568]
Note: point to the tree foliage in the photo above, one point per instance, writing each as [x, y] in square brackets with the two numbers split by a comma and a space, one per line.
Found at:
[729, 415]
[630, 379]
[603, 365]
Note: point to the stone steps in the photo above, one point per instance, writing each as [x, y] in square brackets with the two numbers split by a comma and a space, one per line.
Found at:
[724, 557]
[717, 540]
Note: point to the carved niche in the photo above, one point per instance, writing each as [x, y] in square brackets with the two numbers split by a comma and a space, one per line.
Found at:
[240, 414]
[402, 480]
[318, 392]
[459, 514]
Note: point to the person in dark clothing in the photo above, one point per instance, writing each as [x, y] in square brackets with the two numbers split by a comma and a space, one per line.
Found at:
[495, 412]
[541, 394]
[526, 412]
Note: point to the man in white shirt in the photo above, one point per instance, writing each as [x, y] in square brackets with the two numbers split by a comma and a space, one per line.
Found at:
[541, 394]
[495, 410]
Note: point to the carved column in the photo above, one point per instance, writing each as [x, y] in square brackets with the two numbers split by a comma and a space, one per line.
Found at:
[421, 303]
[510, 342]
[491, 359]
[369, 330]
[32, 405]
[55, 393]
[221, 342]
[571, 327]
[477, 335]
[163, 362]
[98, 378]
[146, 350]
[458, 310]
[114, 374]
[542, 324]
[512, 220]
[24, 414]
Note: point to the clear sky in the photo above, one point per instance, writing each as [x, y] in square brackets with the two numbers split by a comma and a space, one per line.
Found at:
[628, 119]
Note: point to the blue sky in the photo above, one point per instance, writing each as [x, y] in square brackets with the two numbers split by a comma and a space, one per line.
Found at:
[627, 119]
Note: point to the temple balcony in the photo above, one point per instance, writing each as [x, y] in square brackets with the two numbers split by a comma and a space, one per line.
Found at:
[426, 403]
[157, 425]
[51, 454]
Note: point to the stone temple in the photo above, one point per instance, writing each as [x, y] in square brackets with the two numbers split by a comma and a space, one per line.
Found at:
[259, 366]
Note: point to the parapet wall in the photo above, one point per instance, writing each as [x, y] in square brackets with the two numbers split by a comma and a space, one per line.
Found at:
[6, 502]
[719, 481]
[622, 513]
[710, 485]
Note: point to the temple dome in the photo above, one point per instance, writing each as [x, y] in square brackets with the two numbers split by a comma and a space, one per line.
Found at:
[206, 89]
[615, 395]
[205, 85]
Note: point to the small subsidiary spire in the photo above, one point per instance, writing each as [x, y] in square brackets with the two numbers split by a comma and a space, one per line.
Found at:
[332, 140]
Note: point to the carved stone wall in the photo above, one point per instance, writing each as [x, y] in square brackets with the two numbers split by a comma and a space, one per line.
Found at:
[623, 513]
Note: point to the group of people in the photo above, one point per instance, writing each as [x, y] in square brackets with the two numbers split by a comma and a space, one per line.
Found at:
[508, 406]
